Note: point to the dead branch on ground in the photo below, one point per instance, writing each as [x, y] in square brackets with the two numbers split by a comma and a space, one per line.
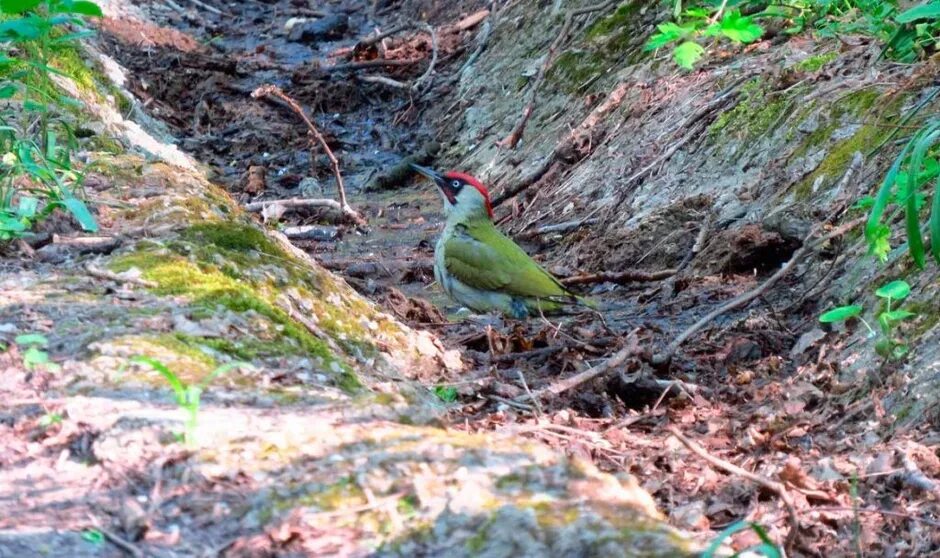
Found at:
[516, 134]
[306, 203]
[99, 273]
[669, 287]
[809, 244]
[275, 91]
[733, 469]
[557, 228]
[632, 347]
[619, 277]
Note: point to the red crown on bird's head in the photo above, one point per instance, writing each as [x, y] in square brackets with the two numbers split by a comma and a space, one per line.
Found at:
[476, 184]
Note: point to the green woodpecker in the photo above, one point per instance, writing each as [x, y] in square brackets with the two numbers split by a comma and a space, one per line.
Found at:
[479, 266]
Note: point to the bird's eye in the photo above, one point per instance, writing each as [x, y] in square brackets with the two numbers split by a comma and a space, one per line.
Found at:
[455, 184]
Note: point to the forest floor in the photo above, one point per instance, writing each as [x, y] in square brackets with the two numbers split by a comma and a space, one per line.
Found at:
[745, 391]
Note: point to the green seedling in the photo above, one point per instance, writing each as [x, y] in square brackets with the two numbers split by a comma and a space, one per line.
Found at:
[887, 345]
[33, 347]
[446, 394]
[188, 396]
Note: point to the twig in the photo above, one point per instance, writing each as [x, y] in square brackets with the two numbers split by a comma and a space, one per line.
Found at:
[99, 273]
[274, 91]
[429, 72]
[384, 81]
[207, 7]
[733, 469]
[305, 203]
[515, 135]
[669, 288]
[620, 277]
[558, 228]
[353, 66]
[631, 348]
[510, 402]
[808, 245]
[116, 540]
[525, 386]
[311, 232]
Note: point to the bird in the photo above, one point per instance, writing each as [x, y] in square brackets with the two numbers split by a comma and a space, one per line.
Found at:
[480, 267]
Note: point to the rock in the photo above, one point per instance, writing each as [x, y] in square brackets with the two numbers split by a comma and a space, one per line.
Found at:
[330, 27]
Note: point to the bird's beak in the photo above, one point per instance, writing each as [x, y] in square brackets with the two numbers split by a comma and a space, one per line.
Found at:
[438, 179]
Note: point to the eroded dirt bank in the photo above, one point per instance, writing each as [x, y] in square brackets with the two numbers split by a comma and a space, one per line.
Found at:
[722, 173]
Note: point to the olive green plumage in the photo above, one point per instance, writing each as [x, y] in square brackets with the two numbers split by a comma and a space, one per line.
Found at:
[481, 256]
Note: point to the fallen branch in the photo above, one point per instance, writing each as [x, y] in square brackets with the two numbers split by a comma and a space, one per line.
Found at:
[99, 273]
[384, 81]
[516, 134]
[733, 469]
[808, 245]
[118, 541]
[619, 277]
[274, 91]
[557, 228]
[631, 348]
[207, 7]
[669, 288]
[311, 232]
[305, 203]
[366, 64]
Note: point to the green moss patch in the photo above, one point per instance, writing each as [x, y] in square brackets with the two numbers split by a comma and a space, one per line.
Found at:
[753, 117]
[208, 288]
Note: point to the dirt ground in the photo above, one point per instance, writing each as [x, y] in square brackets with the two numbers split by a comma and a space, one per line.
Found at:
[761, 386]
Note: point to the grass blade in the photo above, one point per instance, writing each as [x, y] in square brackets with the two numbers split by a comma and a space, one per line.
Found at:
[935, 223]
[912, 219]
[178, 388]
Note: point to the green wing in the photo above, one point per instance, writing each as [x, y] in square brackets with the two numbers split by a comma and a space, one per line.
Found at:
[481, 256]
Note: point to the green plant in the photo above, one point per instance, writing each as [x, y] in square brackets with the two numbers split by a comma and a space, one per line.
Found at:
[701, 25]
[913, 170]
[34, 355]
[708, 21]
[36, 140]
[187, 396]
[888, 345]
[766, 547]
[445, 393]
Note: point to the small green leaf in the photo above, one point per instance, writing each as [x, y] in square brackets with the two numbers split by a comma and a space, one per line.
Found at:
[668, 32]
[79, 210]
[93, 536]
[8, 91]
[895, 290]
[928, 10]
[687, 54]
[740, 29]
[31, 339]
[841, 314]
[17, 6]
[864, 202]
[446, 394]
[81, 7]
[32, 106]
[19, 29]
[898, 315]
[33, 357]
